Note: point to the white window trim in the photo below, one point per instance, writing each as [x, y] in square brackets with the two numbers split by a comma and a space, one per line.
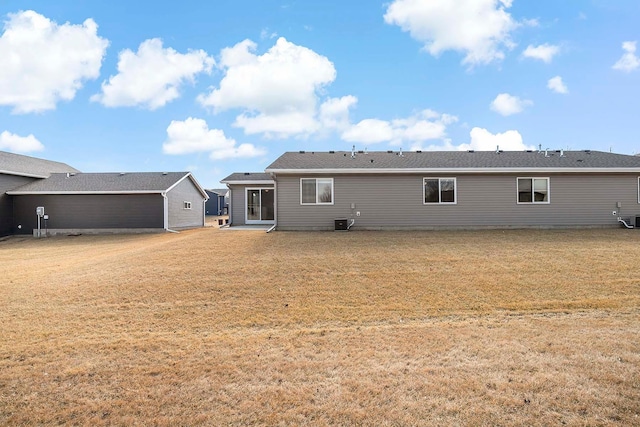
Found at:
[186, 205]
[333, 195]
[439, 178]
[532, 188]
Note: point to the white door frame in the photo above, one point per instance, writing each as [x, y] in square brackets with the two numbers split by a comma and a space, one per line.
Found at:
[246, 206]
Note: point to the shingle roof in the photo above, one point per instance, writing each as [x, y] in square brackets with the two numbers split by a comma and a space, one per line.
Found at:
[95, 183]
[247, 177]
[218, 191]
[17, 164]
[451, 160]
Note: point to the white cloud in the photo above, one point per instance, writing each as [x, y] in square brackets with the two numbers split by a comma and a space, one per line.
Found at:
[424, 126]
[194, 136]
[483, 140]
[44, 63]
[277, 91]
[369, 131]
[152, 76]
[557, 85]
[19, 144]
[478, 28]
[507, 105]
[544, 52]
[629, 61]
[334, 112]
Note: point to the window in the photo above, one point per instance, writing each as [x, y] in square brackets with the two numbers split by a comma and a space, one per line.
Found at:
[316, 191]
[439, 190]
[533, 190]
[186, 205]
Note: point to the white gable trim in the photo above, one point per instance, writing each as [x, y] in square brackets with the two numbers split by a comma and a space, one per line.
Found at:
[28, 175]
[195, 183]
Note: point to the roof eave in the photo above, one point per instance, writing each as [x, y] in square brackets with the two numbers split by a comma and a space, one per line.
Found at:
[488, 170]
[248, 182]
[28, 175]
[26, 193]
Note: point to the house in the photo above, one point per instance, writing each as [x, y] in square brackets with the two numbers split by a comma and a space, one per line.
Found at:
[17, 170]
[76, 202]
[435, 190]
[251, 198]
[218, 202]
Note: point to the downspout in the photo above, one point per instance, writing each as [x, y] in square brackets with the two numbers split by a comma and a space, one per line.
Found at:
[204, 213]
[166, 212]
[624, 223]
[230, 212]
[275, 204]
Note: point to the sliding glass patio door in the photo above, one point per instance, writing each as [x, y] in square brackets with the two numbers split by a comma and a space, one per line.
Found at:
[260, 206]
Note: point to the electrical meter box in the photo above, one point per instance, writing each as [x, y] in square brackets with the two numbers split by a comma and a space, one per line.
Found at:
[40, 211]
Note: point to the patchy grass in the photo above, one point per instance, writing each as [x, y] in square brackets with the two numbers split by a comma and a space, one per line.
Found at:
[224, 327]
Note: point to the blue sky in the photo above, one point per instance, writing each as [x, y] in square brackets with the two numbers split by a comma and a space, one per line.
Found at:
[227, 86]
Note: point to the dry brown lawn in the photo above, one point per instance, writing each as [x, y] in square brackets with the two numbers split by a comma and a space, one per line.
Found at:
[227, 327]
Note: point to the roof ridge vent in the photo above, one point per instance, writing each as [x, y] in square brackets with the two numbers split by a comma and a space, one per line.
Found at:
[165, 173]
[471, 151]
[122, 173]
[247, 173]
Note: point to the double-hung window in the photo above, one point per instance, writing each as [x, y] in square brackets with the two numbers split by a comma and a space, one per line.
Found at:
[439, 190]
[316, 191]
[533, 190]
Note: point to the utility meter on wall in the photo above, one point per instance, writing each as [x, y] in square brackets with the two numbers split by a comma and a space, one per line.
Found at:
[40, 211]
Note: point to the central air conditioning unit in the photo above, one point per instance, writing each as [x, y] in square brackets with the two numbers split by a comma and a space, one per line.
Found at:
[341, 224]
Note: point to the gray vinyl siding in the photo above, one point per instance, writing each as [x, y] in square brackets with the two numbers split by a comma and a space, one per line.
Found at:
[179, 217]
[90, 211]
[238, 203]
[396, 201]
[7, 183]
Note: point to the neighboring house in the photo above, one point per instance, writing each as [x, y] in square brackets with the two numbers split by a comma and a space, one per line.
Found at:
[218, 202]
[76, 202]
[431, 190]
[251, 198]
[17, 170]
